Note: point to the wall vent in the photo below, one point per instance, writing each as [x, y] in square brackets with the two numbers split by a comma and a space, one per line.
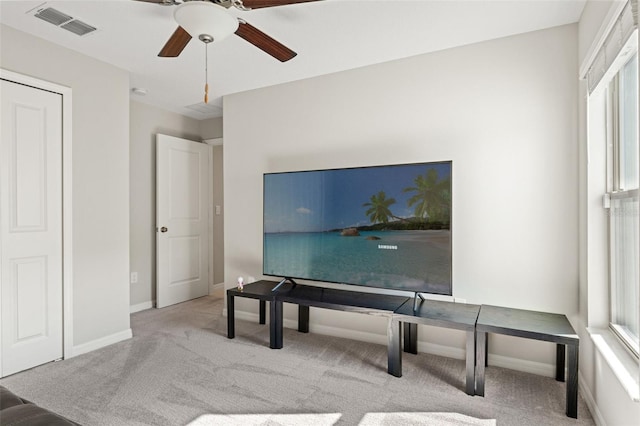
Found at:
[62, 20]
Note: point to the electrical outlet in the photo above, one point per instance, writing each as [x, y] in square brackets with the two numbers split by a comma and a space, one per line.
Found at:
[134, 277]
[218, 210]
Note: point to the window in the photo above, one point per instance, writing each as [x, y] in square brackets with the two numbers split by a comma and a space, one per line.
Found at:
[622, 186]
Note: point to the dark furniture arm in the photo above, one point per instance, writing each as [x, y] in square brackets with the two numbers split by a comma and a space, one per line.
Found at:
[17, 411]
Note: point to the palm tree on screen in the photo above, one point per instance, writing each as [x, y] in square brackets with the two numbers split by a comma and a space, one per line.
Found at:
[432, 197]
[379, 208]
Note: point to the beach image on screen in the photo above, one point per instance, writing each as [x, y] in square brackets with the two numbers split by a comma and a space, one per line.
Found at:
[387, 226]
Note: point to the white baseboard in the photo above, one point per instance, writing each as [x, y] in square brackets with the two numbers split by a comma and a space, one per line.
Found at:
[247, 316]
[590, 401]
[320, 329]
[539, 368]
[441, 350]
[141, 306]
[345, 333]
[152, 303]
[432, 348]
[102, 342]
[214, 287]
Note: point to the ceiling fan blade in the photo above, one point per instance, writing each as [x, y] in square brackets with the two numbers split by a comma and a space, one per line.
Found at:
[175, 44]
[164, 2]
[257, 4]
[264, 42]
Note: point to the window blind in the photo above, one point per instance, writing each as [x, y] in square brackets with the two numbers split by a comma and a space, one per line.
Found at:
[622, 37]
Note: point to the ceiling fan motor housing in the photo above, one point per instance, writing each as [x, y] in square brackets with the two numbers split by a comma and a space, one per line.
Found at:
[205, 21]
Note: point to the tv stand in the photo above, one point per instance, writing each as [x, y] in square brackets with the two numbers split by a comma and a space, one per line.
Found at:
[305, 297]
[403, 316]
[284, 280]
[399, 311]
[415, 301]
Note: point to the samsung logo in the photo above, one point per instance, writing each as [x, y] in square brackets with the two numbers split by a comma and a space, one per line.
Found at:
[387, 247]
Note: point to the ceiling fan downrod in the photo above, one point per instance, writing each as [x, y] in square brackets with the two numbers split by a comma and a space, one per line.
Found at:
[206, 39]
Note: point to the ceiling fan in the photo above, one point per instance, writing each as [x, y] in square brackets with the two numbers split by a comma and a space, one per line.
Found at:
[208, 20]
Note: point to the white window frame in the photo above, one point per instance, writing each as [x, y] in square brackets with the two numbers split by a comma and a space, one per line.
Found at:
[616, 193]
[601, 62]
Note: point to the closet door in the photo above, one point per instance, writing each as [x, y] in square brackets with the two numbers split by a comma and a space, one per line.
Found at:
[31, 308]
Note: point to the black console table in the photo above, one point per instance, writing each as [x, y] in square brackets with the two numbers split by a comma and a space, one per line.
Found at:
[476, 321]
[342, 300]
[436, 313]
[531, 325]
[305, 297]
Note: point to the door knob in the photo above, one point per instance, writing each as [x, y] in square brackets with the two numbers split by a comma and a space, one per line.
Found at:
[163, 229]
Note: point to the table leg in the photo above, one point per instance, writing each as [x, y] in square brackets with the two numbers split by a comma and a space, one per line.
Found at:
[470, 358]
[410, 337]
[481, 356]
[303, 319]
[560, 361]
[231, 322]
[263, 313]
[486, 349]
[572, 382]
[394, 360]
[275, 324]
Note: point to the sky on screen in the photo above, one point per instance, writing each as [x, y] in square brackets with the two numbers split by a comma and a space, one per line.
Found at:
[316, 201]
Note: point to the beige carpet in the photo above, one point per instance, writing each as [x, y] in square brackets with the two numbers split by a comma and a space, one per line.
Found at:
[180, 369]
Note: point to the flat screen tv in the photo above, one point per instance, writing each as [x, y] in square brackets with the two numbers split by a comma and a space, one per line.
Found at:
[385, 226]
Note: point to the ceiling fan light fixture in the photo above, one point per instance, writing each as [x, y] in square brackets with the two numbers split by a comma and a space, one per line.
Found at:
[205, 18]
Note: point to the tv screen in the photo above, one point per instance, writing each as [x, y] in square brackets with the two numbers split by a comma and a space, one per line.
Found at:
[384, 226]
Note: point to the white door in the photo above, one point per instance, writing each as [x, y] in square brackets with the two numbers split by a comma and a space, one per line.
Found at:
[182, 222]
[30, 227]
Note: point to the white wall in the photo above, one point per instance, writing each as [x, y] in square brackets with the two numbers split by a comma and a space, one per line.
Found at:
[211, 128]
[100, 181]
[505, 113]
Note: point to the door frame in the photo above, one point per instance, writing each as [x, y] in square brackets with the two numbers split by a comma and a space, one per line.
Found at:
[212, 253]
[67, 200]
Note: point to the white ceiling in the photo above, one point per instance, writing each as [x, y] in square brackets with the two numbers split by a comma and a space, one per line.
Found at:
[329, 36]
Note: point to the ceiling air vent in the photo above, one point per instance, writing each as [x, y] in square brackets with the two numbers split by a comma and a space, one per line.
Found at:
[206, 109]
[62, 20]
[78, 27]
[53, 16]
